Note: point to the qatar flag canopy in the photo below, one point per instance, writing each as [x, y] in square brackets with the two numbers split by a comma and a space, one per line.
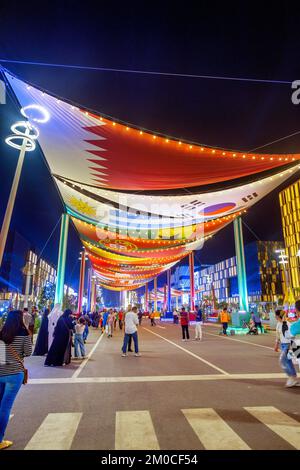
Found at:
[141, 201]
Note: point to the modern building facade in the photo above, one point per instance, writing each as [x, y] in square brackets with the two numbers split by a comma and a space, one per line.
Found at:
[24, 274]
[289, 200]
[264, 275]
[219, 281]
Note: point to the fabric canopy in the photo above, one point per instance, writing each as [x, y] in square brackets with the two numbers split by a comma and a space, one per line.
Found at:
[142, 201]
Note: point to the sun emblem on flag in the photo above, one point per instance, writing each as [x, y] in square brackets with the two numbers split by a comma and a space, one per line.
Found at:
[82, 206]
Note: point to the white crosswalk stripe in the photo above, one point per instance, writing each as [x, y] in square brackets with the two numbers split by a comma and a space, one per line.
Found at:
[56, 432]
[213, 432]
[135, 431]
[280, 423]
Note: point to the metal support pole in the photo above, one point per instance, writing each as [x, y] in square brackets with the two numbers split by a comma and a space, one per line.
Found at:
[146, 298]
[165, 298]
[61, 263]
[192, 282]
[81, 281]
[155, 294]
[169, 294]
[93, 293]
[240, 264]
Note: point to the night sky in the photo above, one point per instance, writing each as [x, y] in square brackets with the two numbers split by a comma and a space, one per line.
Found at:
[209, 39]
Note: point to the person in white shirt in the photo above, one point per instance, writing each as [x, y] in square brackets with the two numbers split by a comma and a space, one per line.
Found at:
[283, 338]
[131, 322]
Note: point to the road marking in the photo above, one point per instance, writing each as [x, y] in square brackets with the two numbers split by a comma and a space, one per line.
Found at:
[156, 378]
[213, 432]
[189, 352]
[84, 363]
[135, 431]
[239, 341]
[280, 423]
[56, 432]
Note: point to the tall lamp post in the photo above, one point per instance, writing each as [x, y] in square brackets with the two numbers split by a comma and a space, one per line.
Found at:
[23, 138]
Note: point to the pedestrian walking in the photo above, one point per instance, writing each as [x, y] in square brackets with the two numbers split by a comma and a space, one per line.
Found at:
[115, 314]
[15, 344]
[110, 324]
[283, 338]
[41, 345]
[140, 316]
[120, 317]
[104, 319]
[131, 322]
[175, 316]
[224, 318]
[199, 323]
[27, 318]
[184, 321]
[152, 318]
[86, 327]
[79, 340]
[60, 350]
[295, 331]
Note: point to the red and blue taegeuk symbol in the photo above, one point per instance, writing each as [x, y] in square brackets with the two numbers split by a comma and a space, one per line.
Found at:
[217, 209]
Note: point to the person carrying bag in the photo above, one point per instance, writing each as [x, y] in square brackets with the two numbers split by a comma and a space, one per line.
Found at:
[15, 344]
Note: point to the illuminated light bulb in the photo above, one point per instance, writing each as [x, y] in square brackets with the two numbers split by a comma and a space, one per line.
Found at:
[244, 156]
[202, 149]
[234, 155]
[213, 151]
[28, 87]
[167, 140]
[141, 132]
[253, 158]
[127, 128]
[86, 113]
[271, 158]
[223, 153]
[262, 158]
[286, 159]
[114, 123]
[280, 159]
[179, 143]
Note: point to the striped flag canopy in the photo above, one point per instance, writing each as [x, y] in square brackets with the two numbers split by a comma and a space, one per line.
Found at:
[141, 201]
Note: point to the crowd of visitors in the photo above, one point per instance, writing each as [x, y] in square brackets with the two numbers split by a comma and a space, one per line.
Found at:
[60, 331]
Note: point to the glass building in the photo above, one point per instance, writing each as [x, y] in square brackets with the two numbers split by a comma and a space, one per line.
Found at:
[264, 276]
[290, 213]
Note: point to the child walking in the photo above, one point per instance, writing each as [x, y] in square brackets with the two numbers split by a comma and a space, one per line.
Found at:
[79, 341]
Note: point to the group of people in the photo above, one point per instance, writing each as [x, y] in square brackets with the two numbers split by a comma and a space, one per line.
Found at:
[59, 331]
[184, 318]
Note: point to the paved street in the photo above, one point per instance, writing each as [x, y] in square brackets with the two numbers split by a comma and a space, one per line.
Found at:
[221, 393]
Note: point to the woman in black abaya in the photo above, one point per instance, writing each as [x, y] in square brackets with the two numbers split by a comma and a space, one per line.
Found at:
[60, 350]
[41, 346]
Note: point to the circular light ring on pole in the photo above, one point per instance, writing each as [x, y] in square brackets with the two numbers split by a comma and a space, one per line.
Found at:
[26, 125]
[30, 144]
[45, 116]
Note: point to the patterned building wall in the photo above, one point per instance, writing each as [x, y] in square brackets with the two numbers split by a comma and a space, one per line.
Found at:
[289, 200]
